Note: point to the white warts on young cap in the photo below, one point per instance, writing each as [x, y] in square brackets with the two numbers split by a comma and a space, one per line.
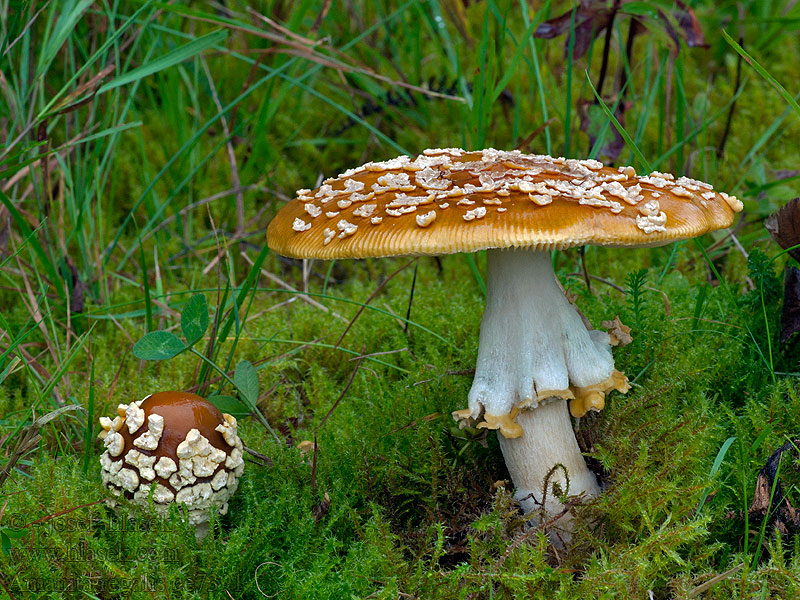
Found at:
[178, 447]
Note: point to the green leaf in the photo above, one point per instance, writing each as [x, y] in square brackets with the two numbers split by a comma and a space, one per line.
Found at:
[194, 318]
[640, 9]
[229, 404]
[15, 533]
[715, 467]
[246, 380]
[170, 59]
[158, 345]
[7, 534]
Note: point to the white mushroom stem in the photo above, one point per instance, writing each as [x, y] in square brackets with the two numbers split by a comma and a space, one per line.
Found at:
[547, 441]
[534, 352]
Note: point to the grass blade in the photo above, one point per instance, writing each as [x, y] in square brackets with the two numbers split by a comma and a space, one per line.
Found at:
[176, 56]
[27, 232]
[625, 135]
[715, 467]
[762, 71]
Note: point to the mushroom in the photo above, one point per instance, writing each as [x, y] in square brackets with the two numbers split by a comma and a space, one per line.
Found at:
[176, 445]
[535, 353]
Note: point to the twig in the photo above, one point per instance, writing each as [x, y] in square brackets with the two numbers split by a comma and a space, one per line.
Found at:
[206, 200]
[344, 391]
[263, 459]
[411, 295]
[585, 269]
[371, 354]
[525, 144]
[5, 587]
[286, 286]
[52, 163]
[600, 279]
[321, 16]
[310, 53]
[231, 153]
[61, 513]
[738, 245]
[704, 587]
[606, 50]
[25, 29]
[370, 299]
[729, 119]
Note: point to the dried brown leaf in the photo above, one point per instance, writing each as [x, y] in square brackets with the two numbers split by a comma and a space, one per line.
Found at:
[784, 227]
[78, 287]
[768, 499]
[790, 315]
[591, 17]
[321, 509]
[692, 31]
[619, 333]
[781, 174]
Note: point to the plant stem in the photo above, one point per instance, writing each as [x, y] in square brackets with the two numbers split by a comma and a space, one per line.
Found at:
[247, 401]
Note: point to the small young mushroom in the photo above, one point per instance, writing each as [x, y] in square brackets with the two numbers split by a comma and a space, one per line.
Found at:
[535, 353]
[177, 446]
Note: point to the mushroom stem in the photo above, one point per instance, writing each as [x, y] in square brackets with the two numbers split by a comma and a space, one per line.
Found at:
[534, 353]
[547, 446]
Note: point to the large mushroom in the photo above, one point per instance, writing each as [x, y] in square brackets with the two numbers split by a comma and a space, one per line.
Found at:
[535, 353]
[177, 446]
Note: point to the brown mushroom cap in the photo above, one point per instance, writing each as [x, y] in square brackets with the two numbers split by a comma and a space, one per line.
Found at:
[177, 442]
[451, 200]
[182, 412]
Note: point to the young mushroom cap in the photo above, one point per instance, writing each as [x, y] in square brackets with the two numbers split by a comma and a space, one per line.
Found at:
[176, 445]
[535, 353]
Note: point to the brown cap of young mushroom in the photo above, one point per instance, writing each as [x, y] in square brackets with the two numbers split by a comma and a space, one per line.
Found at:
[450, 200]
[177, 444]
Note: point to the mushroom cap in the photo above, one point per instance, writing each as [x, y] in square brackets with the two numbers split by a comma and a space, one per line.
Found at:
[450, 200]
[177, 441]
[182, 412]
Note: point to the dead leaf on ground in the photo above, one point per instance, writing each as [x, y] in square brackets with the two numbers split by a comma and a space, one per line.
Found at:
[591, 17]
[321, 509]
[690, 26]
[768, 500]
[78, 288]
[790, 315]
[619, 333]
[784, 227]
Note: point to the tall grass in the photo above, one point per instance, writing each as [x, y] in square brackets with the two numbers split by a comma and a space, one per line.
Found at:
[145, 147]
